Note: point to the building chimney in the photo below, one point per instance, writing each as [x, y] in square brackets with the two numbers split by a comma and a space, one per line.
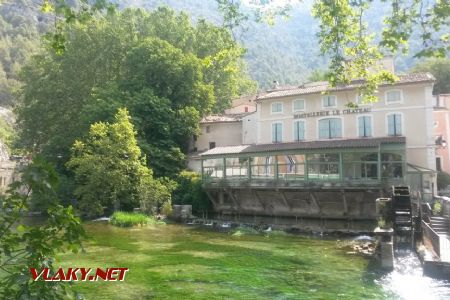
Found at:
[387, 63]
[275, 85]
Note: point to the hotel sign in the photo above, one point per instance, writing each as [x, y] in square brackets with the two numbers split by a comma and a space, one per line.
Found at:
[336, 112]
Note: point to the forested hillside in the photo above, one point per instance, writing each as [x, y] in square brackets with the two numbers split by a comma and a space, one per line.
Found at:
[21, 26]
[286, 52]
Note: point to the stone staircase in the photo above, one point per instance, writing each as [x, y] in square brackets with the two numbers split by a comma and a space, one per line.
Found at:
[440, 225]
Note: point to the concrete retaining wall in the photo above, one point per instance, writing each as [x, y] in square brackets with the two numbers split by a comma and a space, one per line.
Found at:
[339, 209]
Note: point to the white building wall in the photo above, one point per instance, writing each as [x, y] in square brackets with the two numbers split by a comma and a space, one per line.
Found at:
[221, 133]
[249, 129]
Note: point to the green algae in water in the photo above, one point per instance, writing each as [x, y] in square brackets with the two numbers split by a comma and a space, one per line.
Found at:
[177, 262]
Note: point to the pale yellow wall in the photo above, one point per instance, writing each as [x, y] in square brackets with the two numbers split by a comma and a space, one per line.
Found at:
[222, 133]
[240, 109]
[417, 109]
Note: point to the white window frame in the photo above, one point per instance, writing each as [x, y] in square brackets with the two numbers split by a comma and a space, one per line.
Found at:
[393, 90]
[361, 104]
[335, 102]
[330, 117]
[293, 130]
[293, 105]
[371, 124]
[403, 133]
[276, 112]
[271, 131]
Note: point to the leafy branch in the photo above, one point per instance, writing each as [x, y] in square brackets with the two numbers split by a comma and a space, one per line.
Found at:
[22, 247]
[64, 14]
[354, 51]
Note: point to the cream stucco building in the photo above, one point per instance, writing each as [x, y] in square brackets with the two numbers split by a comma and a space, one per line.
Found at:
[313, 112]
[304, 145]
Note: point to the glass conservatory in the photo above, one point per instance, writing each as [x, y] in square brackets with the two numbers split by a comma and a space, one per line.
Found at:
[358, 160]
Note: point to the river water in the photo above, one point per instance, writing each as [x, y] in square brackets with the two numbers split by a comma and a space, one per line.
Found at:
[182, 262]
[406, 281]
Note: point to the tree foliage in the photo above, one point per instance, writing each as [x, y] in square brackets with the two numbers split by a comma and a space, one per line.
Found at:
[111, 172]
[20, 29]
[23, 247]
[189, 191]
[166, 70]
[273, 52]
[354, 50]
[440, 68]
[443, 180]
[344, 37]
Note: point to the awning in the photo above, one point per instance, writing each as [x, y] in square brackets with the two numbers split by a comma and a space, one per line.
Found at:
[309, 145]
[417, 169]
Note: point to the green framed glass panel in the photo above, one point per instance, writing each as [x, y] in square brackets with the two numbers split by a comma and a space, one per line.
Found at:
[291, 166]
[263, 167]
[213, 168]
[392, 165]
[323, 157]
[323, 166]
[360, 166]
[236, 167]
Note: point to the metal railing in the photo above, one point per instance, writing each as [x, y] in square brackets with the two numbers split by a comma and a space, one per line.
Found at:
[432, 236]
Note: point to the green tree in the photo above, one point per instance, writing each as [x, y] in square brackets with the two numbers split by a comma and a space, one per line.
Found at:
[161, 130]
[20, 30]
[173, 75]
[317, 75]
[189, 191]
[110, 170]
[443, 180]
[166, 70]
[23, 247]
[440, 68]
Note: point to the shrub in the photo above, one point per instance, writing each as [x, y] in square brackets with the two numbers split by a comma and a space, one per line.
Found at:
[443, 180]
[381, 223]
[189, 191]
[128, 219]
[437, 208]
[166, 208]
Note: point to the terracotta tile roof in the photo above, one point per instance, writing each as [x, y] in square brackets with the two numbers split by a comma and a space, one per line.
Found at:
[319, 87]
[309, 145]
